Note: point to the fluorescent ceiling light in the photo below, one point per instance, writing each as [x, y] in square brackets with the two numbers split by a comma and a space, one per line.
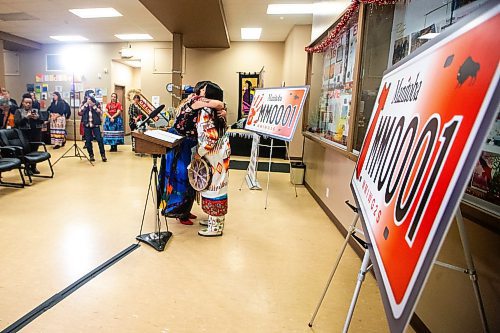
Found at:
[134, 36]
[251, 33]
[95, 12]
[288, 8]
[69, 38]
[429, 35]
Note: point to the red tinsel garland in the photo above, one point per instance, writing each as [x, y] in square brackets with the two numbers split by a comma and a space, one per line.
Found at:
[344, 20]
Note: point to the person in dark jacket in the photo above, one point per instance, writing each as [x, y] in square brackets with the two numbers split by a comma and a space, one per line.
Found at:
[29, 122]
[91, 120]
[59, 111]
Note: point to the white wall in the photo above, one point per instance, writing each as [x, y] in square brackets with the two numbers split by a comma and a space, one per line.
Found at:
[91, 60]
[221, 66]
[294, 73]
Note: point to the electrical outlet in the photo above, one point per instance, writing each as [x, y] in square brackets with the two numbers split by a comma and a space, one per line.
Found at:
[327, 192]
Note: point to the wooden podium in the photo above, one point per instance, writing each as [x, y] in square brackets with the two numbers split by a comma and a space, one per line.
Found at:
[146, 144]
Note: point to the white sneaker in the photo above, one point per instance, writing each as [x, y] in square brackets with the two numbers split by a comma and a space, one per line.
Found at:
[204, 223]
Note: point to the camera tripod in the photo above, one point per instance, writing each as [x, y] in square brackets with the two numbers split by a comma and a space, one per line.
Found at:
[78, 152]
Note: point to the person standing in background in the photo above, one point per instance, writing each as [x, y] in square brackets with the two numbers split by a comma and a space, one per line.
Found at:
[28, 121]
[113, 124]
[91, 119]
[8, 109]
[36, 103]
[134, 115]
[59, 111]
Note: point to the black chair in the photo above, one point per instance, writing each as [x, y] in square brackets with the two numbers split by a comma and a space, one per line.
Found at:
[26, 151]
[8, 164]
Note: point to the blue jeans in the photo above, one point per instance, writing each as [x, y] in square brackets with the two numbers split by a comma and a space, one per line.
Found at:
[96, 131]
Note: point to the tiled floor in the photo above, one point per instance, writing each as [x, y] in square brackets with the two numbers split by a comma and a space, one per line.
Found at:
[264, 275]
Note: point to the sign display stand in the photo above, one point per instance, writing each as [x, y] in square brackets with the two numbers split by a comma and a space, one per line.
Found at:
[252, 182]
[274, 113]
[431, 118]
[269, 168]
[470, 270]
[350, 232]
[251, 175]
[365, 267]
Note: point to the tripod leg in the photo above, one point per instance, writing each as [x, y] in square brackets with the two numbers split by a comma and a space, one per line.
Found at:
[269, 170]
[146, 204]
[471, 269]
[352, 228]
[291, 169]
[361, 278]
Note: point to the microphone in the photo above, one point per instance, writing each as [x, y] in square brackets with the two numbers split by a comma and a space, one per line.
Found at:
[151, 115]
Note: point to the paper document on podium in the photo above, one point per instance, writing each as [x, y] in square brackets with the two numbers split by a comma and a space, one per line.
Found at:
[163, 135]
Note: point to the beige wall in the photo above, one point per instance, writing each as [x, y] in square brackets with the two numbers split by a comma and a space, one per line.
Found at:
[221, 66]
[447, 303]
[92, 59]
[294, 73]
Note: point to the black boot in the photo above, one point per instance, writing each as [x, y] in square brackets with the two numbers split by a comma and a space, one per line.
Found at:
[34, 170]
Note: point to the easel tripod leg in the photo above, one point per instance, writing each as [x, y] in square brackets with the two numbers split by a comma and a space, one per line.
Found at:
[269, 170]
[471, 269]
[351, 230]
[291, 169]
[361, 278]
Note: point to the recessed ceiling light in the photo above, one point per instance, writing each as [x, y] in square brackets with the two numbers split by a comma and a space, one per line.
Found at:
[134, 36]
[69, 38]
[251, 33]
[95, 12]
[289, 8]
[429, 35]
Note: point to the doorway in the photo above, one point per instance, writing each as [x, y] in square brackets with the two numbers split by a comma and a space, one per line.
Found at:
[120, 92]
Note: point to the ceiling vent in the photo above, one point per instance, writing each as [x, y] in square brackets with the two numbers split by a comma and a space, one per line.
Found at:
[17, 17]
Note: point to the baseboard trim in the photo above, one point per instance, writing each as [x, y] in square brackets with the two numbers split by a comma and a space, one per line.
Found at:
[415, 322]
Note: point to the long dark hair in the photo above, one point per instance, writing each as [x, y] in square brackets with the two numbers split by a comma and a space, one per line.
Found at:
[213, 91]
[58, 94]
[198, 87]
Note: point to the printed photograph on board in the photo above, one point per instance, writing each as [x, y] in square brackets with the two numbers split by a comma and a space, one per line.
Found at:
[401, 47]
[417, 41]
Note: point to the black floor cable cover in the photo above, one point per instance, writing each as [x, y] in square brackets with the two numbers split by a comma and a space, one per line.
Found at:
[39, 310]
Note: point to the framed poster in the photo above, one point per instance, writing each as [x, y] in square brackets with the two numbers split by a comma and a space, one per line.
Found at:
[248, 83]
[433, 113]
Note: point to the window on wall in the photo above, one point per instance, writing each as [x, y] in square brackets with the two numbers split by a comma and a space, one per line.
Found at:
[332, 110]
[342, 98]
[416, 22]
[378, 23]
[342, 92]
[54, 62]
